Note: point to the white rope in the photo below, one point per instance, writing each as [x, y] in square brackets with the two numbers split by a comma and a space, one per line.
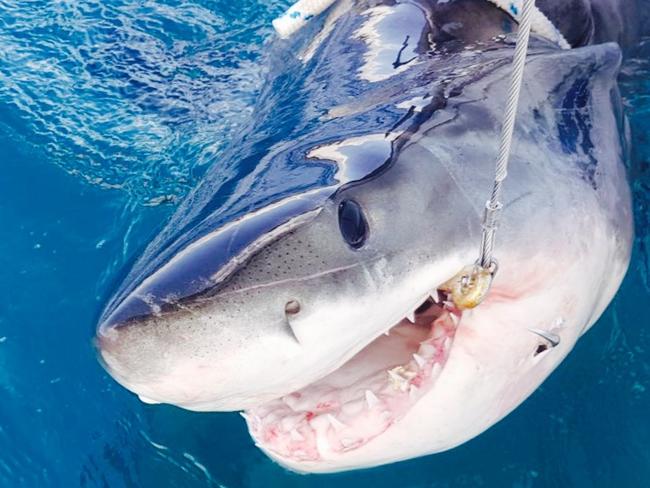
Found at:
[302, 11]
[298, 15]
[493, 205]
[540, 24]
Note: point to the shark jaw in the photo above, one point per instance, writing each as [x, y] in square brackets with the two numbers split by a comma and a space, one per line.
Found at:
[364, 397]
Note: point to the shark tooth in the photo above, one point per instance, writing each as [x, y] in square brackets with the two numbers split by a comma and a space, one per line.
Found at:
[438, 331]
[454, 318]
[394, 376]
[371, 399]
[336, 423]
[408, 374]
[411, 316]
[419, 360]
[447, 343]
[396, 380]
[435, 371]
[435, 296]
[426, 350]
[387, 333]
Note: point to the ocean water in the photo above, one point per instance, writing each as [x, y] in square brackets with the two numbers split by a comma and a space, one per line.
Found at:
[110, 112]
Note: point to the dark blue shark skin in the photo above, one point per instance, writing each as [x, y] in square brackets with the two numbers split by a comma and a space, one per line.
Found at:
[440, 74]
[290, 121]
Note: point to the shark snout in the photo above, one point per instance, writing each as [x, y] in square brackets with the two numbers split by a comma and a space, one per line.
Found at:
[134, 354]
[222, 352]
[201, 329]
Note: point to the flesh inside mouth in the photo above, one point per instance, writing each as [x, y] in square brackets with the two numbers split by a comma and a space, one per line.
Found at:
[367, 395]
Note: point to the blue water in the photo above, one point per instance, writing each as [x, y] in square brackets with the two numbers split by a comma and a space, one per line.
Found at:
[110, 112]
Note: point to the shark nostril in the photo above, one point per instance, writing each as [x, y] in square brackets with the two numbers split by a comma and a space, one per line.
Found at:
[292, 307]
[540, 349]
[551, 339]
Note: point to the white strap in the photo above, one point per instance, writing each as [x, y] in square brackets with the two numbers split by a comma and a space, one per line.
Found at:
[540, 23]
[302, 11]
[298, 15]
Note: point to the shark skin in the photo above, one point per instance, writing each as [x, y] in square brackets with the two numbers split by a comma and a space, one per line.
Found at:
[302, 280]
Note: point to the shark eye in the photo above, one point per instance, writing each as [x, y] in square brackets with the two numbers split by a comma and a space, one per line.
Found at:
[352, 223]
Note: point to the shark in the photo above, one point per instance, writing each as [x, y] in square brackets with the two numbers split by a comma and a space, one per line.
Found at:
[303, 282]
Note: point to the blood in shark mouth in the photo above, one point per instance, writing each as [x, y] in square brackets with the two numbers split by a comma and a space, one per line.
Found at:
[369, 393]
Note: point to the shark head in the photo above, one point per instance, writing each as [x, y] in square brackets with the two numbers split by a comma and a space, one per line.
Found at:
[302, 284]
[325, 314]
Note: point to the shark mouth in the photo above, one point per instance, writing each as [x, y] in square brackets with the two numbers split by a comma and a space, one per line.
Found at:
[367, 395]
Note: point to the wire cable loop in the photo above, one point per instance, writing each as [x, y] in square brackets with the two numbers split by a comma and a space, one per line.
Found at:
[494, 206]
